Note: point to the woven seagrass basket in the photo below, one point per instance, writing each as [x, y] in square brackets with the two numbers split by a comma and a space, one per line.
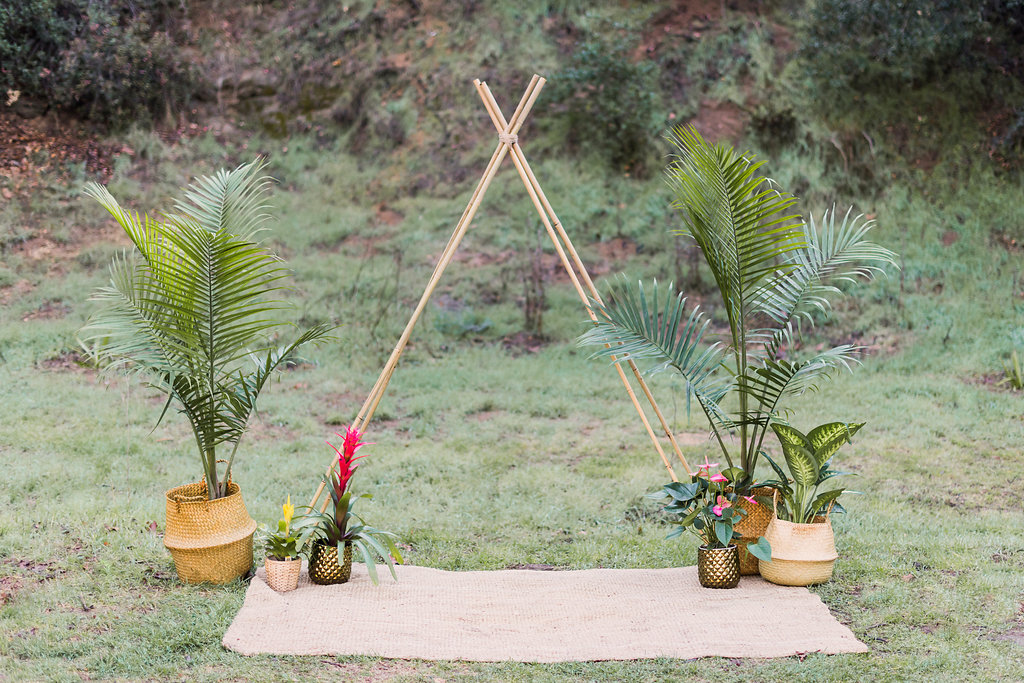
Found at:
[752, 526]
[210, 540]
[283, 575]
[325, 568]
[718, 567]
[802, 554]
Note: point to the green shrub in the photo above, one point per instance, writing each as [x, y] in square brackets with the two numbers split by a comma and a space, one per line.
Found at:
[611, 103]
[101, 59]
[883, 45]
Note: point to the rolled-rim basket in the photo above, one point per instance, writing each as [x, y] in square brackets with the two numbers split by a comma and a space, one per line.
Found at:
[210, 540]
[752, 526]
[802, 554]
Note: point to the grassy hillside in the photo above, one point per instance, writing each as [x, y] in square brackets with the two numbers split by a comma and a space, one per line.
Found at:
[499, 442]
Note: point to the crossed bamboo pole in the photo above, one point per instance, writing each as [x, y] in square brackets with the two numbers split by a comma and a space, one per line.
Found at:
[508, 141]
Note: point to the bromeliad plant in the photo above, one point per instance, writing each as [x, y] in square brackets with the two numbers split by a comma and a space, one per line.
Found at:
[706, 507]
[339, 525]
[282, 543]
[192, 308]
[772, 269]
[809, 460]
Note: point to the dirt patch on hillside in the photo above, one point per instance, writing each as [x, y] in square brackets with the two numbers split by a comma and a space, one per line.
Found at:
[718, 121]
[48, 148]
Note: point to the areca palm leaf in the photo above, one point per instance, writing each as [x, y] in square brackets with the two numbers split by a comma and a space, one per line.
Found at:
[833, 253]
[776, 378]
[198, 305]
[742, 224]
[634, 326]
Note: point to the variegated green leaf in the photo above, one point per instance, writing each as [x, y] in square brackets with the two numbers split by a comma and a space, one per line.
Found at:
[828, 438]
[791, 436]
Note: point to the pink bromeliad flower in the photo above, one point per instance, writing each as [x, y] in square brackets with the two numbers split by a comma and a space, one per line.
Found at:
[347, 456]
[723, 503]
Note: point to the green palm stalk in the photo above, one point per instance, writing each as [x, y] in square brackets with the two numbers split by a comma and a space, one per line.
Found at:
[772, 271]
[192, 308]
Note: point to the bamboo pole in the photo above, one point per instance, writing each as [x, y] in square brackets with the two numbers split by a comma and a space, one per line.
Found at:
[554, 227]
[546, 213]
[507, 133]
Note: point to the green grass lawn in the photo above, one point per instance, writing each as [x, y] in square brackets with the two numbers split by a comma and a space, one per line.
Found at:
[488, 454]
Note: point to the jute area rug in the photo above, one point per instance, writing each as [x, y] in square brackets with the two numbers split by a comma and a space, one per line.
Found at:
[536, 616]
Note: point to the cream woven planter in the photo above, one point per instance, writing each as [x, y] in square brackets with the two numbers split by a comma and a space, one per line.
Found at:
[283, 575]
[802, 554]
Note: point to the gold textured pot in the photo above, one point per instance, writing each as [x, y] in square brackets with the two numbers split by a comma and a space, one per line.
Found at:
[718, 567]
[210, 540]
[283, 575]
[802, 554]
[324, 567]
[753, 525]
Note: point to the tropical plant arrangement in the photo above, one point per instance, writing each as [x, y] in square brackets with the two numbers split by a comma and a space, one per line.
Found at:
[192, 309]
[281, 547]
[773, 272]
[336, 530]
[801, 536]
[707, 507]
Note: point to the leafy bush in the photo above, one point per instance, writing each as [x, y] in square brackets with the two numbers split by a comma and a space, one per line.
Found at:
[99, 58]
[611, 103]
[876, 45]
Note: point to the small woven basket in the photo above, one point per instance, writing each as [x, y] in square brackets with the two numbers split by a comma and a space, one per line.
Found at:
[718, 567]
[752, 526]
[283, 575]
[802, 554]
[210, 540]
[324, 567]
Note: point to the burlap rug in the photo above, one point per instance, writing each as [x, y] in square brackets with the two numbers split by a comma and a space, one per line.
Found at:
[536, 616]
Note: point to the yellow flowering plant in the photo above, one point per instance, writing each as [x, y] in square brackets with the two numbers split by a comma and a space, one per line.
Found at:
[284, 543]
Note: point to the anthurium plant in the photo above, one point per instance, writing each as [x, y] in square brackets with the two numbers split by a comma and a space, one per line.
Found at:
[338, 524]
[809, 460]
[282, 543]
[706, 506]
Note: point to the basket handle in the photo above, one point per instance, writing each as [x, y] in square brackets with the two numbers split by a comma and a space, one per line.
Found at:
[829, 511]
[775, 500]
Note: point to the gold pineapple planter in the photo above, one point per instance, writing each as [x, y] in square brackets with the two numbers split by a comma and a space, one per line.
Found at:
[718, 567]
[324, 566]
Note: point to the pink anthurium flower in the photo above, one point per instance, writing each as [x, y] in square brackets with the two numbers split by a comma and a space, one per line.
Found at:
[750, 499]
[719, 478]
[707, 464]
[723, 503]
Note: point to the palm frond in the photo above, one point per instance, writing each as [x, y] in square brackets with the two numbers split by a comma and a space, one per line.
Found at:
[740, 222]
[833, 254]
[774, 379]
[229, 201]
[637, 327]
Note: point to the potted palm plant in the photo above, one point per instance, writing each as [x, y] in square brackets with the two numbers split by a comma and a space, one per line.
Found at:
[337, 529]
[801, 536]
[772, 270]
[192, 309]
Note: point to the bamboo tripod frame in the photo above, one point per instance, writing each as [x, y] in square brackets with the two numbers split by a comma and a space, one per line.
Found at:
[508, 143]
